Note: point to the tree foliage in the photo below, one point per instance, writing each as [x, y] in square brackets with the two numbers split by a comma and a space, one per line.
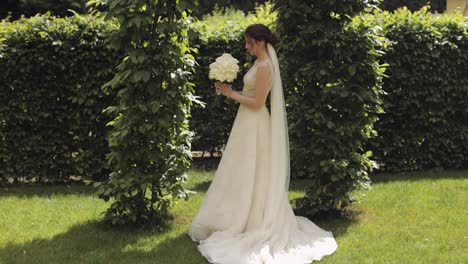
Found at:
[150, 140]
[333, 82]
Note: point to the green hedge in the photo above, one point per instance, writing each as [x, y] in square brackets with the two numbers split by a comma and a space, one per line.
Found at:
[222, 31]
[425, 124]
[51, 71]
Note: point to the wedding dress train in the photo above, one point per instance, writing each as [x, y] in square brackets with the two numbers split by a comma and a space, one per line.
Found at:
[245, 216]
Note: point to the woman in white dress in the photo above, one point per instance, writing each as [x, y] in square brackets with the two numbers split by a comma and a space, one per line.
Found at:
[246, 216]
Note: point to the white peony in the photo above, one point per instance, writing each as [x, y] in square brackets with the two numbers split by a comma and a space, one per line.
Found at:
[225, 68]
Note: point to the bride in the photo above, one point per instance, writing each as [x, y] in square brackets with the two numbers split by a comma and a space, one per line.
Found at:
[246, 216]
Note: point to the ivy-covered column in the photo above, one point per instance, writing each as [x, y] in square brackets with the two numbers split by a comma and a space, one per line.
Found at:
[150, 141]
[333, 84]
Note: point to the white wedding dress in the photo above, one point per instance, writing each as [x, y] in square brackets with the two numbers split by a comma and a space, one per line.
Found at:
[246, 216]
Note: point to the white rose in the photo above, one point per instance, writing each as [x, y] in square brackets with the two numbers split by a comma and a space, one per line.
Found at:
[225, 68]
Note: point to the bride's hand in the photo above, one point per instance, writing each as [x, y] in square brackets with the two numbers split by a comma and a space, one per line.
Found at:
[223, 89]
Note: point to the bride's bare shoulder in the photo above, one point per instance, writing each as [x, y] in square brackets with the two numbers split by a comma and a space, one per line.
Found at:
[264, 69]
[266, 64]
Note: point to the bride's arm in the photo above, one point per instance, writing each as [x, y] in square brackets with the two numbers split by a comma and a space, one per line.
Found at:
[261, 91]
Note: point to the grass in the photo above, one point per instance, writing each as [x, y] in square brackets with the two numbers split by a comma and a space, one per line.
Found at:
[405, 218]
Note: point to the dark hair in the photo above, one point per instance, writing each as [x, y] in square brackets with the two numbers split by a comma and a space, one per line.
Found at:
[260, 32]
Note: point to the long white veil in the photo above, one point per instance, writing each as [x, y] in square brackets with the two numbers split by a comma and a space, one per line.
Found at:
[279, 124]
[279, 156]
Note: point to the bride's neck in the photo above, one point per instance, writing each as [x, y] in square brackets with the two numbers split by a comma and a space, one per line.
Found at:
[262, 55]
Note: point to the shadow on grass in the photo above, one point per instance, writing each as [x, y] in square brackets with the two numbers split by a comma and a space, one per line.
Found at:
[47, 190]
[419, 175]
[94, 243]
[338, 224]
[201, 186]
[205, 163]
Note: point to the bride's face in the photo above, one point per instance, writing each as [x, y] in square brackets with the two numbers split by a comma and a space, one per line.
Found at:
[253, 46]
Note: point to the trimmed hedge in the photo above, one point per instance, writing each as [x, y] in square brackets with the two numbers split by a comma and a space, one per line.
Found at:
[51, 71]
[222, 31]
[425, 124]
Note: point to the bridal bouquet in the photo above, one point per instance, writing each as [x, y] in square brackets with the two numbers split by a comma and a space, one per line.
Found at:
[224, 69]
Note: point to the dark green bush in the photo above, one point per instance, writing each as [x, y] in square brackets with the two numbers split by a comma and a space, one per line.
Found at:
[51, 71]
[333, 82]
[222, 31]
[425, 124]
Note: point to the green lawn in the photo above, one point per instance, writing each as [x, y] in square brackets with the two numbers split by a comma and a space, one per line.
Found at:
[405, 218]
